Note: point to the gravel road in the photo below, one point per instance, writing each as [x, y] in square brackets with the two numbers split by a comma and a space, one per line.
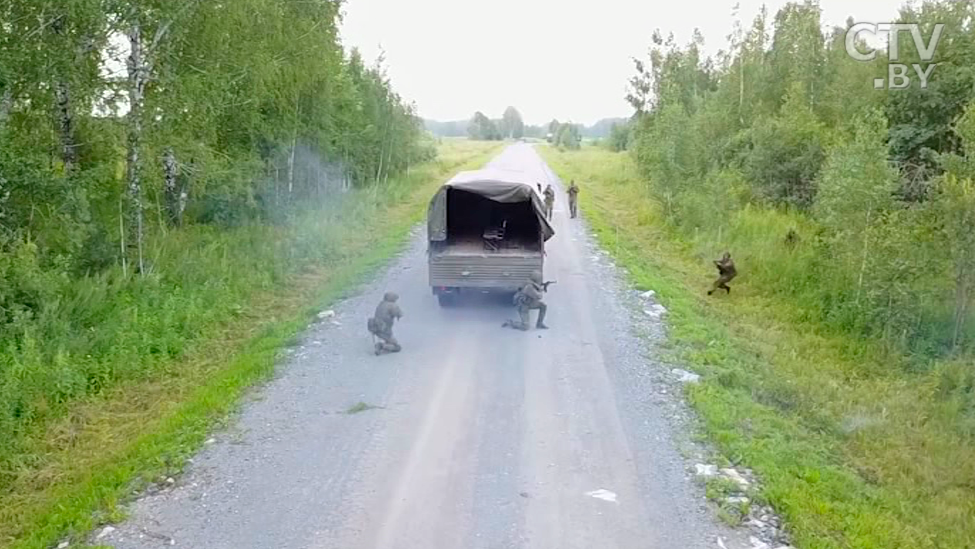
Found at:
[480, 437]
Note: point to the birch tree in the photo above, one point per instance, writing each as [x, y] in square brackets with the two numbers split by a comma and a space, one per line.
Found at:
[855, 192]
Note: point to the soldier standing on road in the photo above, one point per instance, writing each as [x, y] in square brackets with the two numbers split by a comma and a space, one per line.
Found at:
[573, 193]
[381, 325]
[529, 297]
[549, 200]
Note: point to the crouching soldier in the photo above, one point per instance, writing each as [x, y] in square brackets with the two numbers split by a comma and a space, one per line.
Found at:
[381, 325]
[726, 273]
[527, 298]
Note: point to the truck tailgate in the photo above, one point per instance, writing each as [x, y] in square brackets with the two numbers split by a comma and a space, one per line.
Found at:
[482, 270]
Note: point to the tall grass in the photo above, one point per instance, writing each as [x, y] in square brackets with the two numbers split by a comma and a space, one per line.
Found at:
[858, 445]
[102, 347]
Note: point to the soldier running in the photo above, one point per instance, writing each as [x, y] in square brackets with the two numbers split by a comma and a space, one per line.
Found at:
[573, 192]
[549, 201]
[726, 273]
[530, 297]
[381, 325]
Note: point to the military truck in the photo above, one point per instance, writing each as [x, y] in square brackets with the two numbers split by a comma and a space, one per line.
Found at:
[486, 231]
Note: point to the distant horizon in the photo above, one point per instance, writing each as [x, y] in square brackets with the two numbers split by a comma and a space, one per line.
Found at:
[527, 123]
[550, 59]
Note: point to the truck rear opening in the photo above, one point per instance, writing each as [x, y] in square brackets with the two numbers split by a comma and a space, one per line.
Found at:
[487, 231]
[509, 227]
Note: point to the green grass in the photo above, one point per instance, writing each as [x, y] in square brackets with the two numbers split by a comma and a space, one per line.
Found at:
[856, 447]
[168, 375]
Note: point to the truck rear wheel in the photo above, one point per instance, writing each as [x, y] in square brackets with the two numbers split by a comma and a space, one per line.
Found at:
[445, 300]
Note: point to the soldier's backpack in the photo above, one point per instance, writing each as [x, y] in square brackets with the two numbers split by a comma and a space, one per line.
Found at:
[371, 325]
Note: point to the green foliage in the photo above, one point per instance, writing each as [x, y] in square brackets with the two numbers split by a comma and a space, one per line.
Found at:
[77, 340]
[553, 130]
[856, 444]
[483, 128]
[512, 126]
[954, 207]
[565, 135]
[796, 58]
[870, 280]
[786, 153]
[568, 136]
[281, 143]
[788, 124]
[921, 119]
[619, 137]
[669, 149]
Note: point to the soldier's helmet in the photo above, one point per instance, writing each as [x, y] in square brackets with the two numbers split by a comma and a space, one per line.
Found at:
[535, 277]
[391, 297]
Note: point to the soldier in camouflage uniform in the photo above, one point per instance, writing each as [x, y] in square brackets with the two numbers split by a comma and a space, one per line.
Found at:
[381, 325]
[529, 297]
[549, 201]
[726, 273]
[573, 192]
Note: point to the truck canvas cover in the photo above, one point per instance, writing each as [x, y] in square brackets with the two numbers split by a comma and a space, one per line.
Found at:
[504, 186]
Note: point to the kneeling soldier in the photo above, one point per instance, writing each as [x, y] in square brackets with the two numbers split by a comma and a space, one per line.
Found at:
[530, 297]
[381, 325]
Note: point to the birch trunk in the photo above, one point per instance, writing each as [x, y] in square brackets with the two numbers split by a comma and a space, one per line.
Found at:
[62, 103]
[170, 186]
[62, 96]
[863, 261]
[382, 156]
[291, 163]
[962, 284]
[184, 194]
[138, 74]
[389, 158]
[6, 103]
[741, 88]
[294, 145]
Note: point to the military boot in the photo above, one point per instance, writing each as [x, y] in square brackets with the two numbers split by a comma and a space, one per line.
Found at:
[540, 324]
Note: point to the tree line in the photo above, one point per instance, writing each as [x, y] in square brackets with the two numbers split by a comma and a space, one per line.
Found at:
[512, 126]
[876, 186]
[509, 126]
[161, 160]
[120, 120]
[565, 135]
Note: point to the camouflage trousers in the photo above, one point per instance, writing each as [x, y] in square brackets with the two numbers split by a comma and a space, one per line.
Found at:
[572, 207]
[524, 314]
[387, 343]
[722, 284]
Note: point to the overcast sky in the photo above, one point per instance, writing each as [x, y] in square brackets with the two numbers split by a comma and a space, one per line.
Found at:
[548, 58]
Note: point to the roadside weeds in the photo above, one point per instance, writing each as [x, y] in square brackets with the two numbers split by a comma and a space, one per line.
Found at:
[112, 446]
[796, 403]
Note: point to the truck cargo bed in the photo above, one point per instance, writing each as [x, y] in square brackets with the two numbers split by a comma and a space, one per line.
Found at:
[469, 265]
